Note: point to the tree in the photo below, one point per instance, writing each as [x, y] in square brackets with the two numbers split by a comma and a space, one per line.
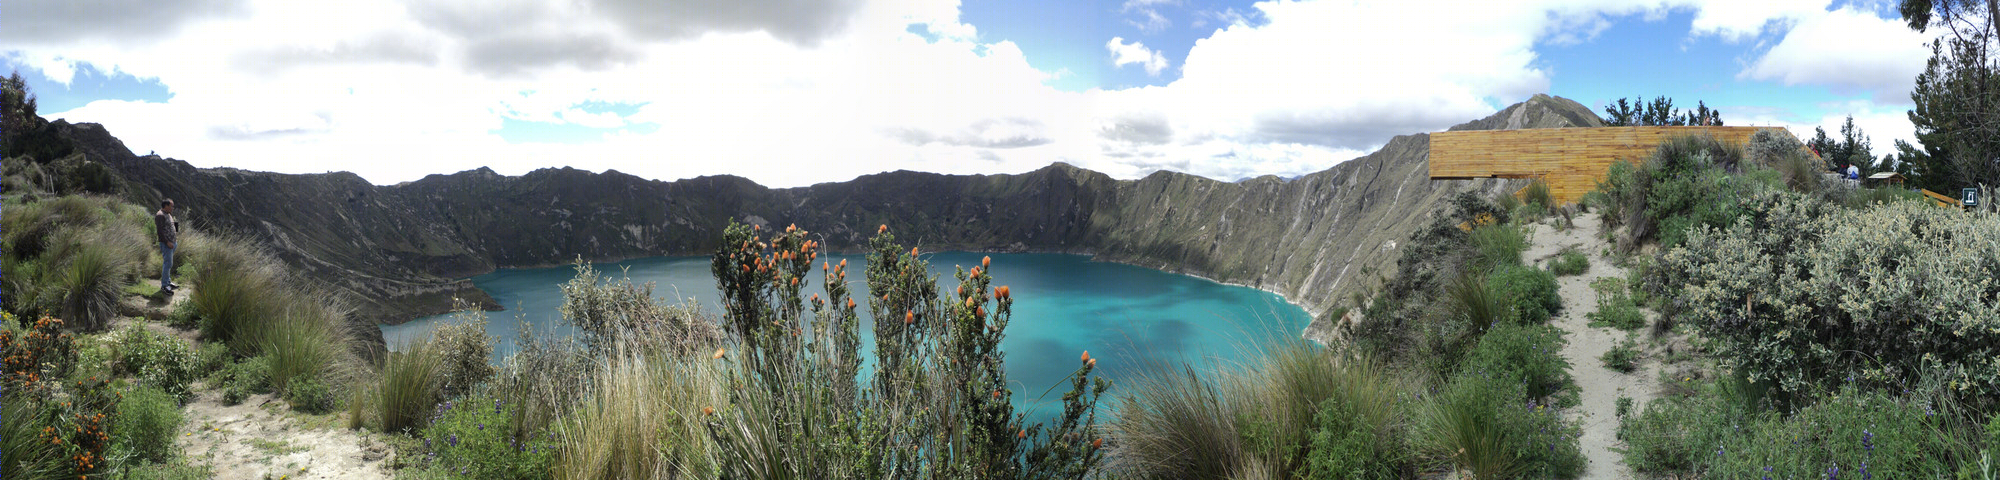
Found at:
[1659, 112]
[17, 110]
[1851, 148]
[1957, 97]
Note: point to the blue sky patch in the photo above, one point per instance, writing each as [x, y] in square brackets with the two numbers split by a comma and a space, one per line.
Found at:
[88, 85]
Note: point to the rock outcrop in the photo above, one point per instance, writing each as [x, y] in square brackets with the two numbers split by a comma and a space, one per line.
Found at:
[403, 250]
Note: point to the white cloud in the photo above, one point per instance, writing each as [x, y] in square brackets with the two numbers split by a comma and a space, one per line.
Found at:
[1848, 50]
[1135, 53]
[397, 89]
[1735, 20]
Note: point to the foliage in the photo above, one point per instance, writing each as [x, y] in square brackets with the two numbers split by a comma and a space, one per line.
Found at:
[1851, 148]
[1482, 423]
[1957, 97]
[1529, 355]
[1500, 244]
[159, 361]
[1801, 296]
[310, 394]
[31, 358]
[940, 402]
[647, 417]
[1529, 293]
[1638, 112]
[1615, 307]
[91, 284]
[1537, 194]
[24, 451]
[1570, 262]
[544, 377]
[1623, 358]
[1684, 183]
[241, 379]
[466, 349]
[605, 312]
[1850, 431]
[473, 439]
[409, 386]
[147, 420]
[1782, 152]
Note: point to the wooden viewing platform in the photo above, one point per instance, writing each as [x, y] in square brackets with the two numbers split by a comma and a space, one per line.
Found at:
[1571, 160]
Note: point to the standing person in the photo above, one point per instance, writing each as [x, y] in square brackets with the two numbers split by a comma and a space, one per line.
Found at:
[1853, 173]
[168, 230]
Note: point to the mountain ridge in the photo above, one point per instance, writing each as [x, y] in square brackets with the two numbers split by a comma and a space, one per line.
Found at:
[404, 250]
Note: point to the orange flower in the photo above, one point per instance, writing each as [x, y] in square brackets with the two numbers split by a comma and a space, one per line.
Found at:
[1091, 362]
[979, 311]
[909, 317]
[718, 354]
[913, 251]
[1099, 443]
[975, 272]
[850, 303]
[996, 394]
[706, 411]
[795, 281]
[1002, 293]
[1023, 434]
[882, 229]
[986, 262]
[1086, 355]
[961, 290]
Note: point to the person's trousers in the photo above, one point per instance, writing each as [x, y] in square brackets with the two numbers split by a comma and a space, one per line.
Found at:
[166, 266]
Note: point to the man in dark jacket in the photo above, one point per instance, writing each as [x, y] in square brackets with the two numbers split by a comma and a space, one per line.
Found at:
[169, 231]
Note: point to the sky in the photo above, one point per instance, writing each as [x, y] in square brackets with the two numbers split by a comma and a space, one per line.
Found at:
[797, 92]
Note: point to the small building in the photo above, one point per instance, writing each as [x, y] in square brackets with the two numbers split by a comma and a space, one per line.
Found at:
[1882, 179]
[1571, 160]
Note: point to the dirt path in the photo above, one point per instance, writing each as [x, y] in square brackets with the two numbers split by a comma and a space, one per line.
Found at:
[1601, 387]
[261, 437]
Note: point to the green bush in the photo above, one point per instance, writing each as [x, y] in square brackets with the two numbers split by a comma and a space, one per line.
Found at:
[1345, 447]
[1804, 297]
[147, 420]
[1623, 358]
[1537, 195]
[24, 450]
[310, 394]
[1527, 354]
[1684, 183]
[1529, 292]
[159, 361]
[467, 352]
[248, 377]
[1862, 434]
[472, 439]
[90, 285]
[1615, 307]
[1571, 262]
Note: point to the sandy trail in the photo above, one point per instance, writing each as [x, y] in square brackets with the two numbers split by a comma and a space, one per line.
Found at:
[261, 437]
[1601, 387]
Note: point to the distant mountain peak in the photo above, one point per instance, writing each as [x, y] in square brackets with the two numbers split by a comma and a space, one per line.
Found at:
[1539, 111]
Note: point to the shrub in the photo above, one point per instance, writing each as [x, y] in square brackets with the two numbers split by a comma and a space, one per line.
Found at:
[241, 379]
[605, 312]
[310, 394]
[24, 451]
[303, 341]
[1683, 183]
[1800, 296]
[1571, 262]
[1615, 308]
[159, 361]
[1172, 423]
[467, 352]
[147, 420]
[544, 377]
[1359, 429]
[212, 357]
[233, 299]
[1528, 354]
[1537, 195]
[1500, 245]
[1859, 433]
[471, 439]
[1623, 358]
[1530, 293]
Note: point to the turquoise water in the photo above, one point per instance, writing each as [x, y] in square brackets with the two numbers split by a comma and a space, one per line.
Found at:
[1128, 317]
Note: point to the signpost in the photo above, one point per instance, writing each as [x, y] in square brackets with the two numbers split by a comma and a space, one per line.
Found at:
[1970, 196]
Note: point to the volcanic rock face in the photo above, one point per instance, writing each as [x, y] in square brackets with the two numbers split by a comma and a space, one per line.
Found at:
[401, 251]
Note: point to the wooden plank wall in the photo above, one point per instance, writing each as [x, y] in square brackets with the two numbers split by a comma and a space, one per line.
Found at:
[1571, 160]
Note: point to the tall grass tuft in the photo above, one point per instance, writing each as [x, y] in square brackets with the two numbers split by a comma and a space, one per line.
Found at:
[408, 387]
[1537, 194]
[91, 284]
[1458, 426]
[234, 296]
[1175, 424]
[1500, 244]
[303, 342]
[644, 419]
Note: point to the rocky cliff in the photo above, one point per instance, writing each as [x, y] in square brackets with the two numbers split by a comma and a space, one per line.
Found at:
[403, 250]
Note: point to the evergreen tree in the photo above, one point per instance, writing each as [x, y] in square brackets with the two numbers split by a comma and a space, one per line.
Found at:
[1957, 97]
